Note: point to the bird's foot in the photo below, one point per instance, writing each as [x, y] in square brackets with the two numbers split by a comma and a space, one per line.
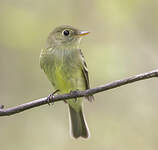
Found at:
[1, 106]
[74, 93]
[51, 97]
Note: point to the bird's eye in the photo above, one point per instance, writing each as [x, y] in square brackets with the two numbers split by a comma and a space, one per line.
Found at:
[66, 32]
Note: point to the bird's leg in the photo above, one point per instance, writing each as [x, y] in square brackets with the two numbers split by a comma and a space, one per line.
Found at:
[73, 93]
[51, 97]
[1, 106]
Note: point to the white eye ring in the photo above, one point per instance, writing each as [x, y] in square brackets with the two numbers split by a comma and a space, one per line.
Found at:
[66, 32]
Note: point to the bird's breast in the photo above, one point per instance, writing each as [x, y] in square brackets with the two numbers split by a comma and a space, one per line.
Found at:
[63, 68]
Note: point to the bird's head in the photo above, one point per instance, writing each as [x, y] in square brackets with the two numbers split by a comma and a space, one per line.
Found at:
[65, 36]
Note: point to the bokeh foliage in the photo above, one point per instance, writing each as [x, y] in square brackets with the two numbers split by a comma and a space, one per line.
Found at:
[123, 42]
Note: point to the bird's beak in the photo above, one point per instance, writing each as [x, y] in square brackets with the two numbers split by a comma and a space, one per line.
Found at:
[83, 33]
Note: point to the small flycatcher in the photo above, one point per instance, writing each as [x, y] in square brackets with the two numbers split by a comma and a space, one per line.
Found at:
[66, 69]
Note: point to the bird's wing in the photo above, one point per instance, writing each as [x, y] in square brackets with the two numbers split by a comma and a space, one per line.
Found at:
[85, 76]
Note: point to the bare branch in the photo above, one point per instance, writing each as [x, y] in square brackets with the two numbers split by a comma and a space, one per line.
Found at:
[108, 86]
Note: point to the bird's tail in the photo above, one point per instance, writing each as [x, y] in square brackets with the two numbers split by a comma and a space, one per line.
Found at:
[78, 124]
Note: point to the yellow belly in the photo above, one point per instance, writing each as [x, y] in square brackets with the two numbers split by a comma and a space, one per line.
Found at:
[68, 81]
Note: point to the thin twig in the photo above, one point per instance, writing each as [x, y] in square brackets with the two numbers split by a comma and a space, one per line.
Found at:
[108, 86]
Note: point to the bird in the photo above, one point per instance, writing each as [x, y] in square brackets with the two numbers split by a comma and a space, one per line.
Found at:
[64, 65]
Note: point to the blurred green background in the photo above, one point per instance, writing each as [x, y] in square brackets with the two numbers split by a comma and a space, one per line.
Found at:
[123, 42]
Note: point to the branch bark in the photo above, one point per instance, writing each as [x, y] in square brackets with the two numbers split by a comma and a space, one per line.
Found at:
[108, 86]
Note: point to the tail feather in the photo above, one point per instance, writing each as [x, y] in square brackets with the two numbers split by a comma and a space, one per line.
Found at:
[78, 123]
